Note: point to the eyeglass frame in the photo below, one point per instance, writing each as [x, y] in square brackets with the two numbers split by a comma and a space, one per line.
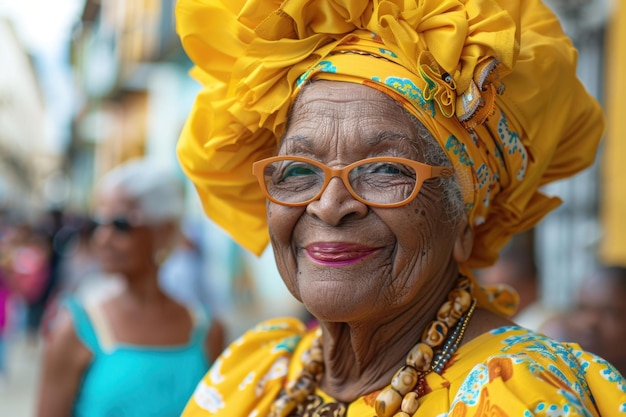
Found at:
[119, 223]
[423, 172]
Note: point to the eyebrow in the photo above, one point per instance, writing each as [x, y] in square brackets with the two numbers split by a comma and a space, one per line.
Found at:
[386, 135]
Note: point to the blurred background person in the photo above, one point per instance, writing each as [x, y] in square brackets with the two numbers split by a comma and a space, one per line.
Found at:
[134, 351]
[516, 268]
[183, 274]
[79, 265]
[598, 319]
[50, 231]
[4, 321]
[27, 272]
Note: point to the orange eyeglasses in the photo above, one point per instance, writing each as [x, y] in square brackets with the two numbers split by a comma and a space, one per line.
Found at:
[378, 182]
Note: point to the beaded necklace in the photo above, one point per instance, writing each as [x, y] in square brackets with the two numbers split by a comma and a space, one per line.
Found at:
[400, 399]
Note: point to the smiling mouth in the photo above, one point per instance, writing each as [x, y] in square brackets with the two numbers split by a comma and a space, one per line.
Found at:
[337, 254]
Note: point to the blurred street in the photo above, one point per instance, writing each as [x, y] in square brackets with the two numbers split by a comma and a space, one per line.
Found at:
[89, 85]
[17, 391]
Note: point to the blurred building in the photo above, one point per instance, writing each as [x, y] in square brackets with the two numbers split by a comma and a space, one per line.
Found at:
[131, 74]
[135, 94]
[613, 174]
[24, 160]
[566, 241]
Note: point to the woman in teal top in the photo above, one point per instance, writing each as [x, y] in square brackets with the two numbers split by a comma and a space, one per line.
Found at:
[134, 350]
[125, 380]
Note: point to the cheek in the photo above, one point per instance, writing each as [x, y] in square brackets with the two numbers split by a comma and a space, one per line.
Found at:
[422, 233]
[424, 244]
[281, 224]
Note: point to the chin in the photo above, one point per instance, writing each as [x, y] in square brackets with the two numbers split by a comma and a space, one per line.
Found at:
[334, 311]
[111, 267]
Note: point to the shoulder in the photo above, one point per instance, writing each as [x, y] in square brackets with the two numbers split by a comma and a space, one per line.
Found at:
[64, 316]
[513, 368]
[268, 340]
[252, 367]
[62, 341]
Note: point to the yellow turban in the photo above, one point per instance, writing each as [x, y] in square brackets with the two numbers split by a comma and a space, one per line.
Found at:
[494, 81]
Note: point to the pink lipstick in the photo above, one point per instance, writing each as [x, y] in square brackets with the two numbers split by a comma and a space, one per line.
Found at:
[337, 253]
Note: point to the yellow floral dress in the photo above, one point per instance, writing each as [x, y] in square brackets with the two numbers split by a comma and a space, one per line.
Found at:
[507, 372]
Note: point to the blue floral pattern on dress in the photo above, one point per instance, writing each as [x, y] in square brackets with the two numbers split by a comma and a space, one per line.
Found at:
[555, 352]
[469, 392]
[288, 344]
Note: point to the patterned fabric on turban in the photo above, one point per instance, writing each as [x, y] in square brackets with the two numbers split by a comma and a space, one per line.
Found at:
[494, 81]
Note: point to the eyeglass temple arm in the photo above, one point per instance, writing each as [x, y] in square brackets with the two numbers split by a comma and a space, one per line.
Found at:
[445, 172]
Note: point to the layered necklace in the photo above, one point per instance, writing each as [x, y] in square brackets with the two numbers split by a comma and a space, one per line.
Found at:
[439, 341]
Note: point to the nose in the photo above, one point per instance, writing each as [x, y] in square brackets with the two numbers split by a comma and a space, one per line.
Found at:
[102, 234]
[336, 204]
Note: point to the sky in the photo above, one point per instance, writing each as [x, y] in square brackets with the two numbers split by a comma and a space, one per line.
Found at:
[42, 24]
[44, 28]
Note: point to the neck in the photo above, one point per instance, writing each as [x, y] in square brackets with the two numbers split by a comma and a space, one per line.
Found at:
[355, 373]
[363, 357]
[144, 289]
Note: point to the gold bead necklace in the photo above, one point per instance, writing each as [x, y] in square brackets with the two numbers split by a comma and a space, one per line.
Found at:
[400, 399]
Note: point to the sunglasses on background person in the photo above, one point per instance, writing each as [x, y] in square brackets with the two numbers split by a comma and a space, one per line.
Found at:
[119, 224]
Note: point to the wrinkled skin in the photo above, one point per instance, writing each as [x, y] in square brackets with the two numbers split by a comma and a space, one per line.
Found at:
[372, 309]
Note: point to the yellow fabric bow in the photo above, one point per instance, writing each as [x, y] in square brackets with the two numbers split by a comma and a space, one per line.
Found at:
[494, 81]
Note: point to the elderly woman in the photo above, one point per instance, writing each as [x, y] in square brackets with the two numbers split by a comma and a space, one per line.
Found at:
[399, 145]
[134, 351]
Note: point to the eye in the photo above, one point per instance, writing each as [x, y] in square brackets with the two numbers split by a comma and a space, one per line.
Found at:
[296, 169]
[385, 168]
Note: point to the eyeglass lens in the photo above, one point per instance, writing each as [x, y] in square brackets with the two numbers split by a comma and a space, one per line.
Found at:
[292, 181]
[121, 224]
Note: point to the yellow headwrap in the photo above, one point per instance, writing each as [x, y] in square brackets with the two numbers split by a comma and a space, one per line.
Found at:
[494, 81]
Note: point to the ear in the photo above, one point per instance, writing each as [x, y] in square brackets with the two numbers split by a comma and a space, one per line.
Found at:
[464, 242]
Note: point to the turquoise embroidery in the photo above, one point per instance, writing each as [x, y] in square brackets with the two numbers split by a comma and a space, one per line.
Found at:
[322, 66]
[430, 84]
[262, 327]
[458, 148]
[474, 137]
[505, 329]
[512, 144]
[384, 51]
[484, 179]
[408, 89]
[482, 175]
[288, 344]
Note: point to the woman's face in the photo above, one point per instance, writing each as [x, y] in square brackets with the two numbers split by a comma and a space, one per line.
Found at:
[128, 251]
[343, 259]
